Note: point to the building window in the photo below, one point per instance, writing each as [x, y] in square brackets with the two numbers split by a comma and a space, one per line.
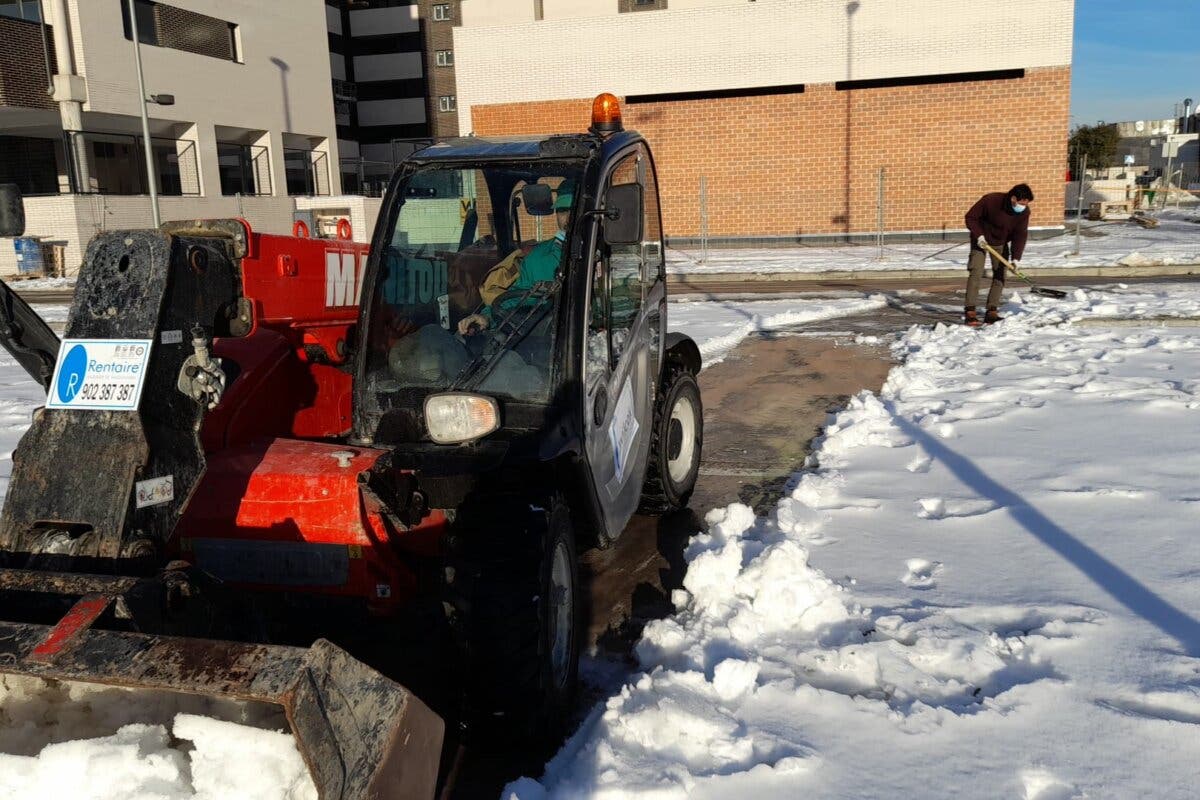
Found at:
[444, 58]
[162, 25]
[447, 103]
[244, 169]
[441, 12]
[306, 171]
[21, 9]
[29, 163]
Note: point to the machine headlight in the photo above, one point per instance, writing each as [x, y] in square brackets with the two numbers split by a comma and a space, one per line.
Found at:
[457, 417]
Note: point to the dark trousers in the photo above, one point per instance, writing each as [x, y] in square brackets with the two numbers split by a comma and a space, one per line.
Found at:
[975, 275]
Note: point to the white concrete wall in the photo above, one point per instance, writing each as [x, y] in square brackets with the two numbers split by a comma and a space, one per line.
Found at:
[765, 43]
[1097, 191]
[75, 219]
[362, 211]
[482, 13]
[485, 13]
[571, 9]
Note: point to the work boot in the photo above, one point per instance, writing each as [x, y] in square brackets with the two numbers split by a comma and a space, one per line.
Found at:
[971, 318]
[992, 315]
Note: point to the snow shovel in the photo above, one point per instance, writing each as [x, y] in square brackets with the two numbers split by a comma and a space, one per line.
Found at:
[1058, 294]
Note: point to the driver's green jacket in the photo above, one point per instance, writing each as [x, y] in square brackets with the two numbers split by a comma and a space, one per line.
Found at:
[538, 266]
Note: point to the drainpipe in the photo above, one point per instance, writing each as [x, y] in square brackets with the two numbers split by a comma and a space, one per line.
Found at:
[70, 89]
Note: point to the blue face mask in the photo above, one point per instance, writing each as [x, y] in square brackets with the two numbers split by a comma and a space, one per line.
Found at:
[560, 237]
[1017, 207]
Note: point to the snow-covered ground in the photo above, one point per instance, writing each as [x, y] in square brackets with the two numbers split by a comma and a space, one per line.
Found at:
[1175, 241]
[984, 585]
[718, 325]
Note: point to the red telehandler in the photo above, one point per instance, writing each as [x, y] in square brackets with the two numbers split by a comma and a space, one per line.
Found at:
[258, 453]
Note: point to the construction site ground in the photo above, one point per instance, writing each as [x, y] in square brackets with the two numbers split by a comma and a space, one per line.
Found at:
[764, 403]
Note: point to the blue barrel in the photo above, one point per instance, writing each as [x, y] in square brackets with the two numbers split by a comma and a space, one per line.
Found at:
[29, 254]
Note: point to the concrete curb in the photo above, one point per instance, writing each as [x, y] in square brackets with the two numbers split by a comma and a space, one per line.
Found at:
[953, 274]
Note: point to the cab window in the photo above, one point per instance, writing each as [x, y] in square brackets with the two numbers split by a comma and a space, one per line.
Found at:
[623, 267]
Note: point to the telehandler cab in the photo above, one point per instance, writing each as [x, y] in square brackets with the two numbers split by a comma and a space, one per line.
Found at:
[254, 446]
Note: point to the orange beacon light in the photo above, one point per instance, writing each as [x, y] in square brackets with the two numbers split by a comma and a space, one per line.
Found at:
[606, 114]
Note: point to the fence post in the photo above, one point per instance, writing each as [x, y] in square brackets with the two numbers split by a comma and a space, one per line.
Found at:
[1079, 203]
[879, 215]
[703, 219]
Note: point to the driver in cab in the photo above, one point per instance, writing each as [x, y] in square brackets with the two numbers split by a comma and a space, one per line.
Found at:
[433, 356]
[520, 272]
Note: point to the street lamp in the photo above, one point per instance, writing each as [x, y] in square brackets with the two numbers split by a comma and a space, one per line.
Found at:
[143, 98]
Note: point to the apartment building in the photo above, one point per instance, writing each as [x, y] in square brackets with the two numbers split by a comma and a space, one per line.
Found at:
[392, 63]
[250, 132]
[782, 121]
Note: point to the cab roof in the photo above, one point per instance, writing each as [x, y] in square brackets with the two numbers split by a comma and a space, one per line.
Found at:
[520, 148]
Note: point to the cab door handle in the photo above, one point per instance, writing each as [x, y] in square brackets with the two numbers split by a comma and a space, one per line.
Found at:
[600, 406]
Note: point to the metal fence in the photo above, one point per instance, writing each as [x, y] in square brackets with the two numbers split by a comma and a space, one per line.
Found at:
[365, 177]
[369, 177]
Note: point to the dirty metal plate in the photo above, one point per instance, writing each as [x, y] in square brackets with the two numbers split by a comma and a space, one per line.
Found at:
[360, 734]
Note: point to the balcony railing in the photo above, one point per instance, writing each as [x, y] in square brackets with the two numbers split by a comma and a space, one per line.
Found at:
[115, 163]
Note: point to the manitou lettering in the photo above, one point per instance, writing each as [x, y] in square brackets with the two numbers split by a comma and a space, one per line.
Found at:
[414, 281]
[343, 279]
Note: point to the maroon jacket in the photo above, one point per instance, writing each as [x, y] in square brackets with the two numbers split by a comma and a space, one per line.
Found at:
[992, 217]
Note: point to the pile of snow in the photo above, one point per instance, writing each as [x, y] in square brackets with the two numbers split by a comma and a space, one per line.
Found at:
[1176, 241]
[83, 741]
[985, 585]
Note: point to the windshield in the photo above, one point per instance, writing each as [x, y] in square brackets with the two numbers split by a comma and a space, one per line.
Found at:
[468, 283]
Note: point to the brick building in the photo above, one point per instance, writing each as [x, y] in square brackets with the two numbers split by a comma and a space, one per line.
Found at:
[793, 115]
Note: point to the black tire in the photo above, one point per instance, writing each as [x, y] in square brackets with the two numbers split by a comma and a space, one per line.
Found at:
[673, 467]
[520, 677]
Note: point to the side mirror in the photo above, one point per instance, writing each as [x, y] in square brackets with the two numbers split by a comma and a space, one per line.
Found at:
[623, 214]
[538, 199]
[12, 210]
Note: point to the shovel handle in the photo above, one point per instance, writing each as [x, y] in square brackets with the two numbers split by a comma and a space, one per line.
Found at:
[996, 255]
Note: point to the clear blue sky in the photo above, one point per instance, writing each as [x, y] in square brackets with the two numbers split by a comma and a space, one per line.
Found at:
[1134, 59]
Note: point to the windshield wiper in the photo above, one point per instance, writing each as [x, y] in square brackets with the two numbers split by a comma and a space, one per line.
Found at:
[478, 369]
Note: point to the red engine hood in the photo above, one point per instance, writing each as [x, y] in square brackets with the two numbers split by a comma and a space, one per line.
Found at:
[288, 514]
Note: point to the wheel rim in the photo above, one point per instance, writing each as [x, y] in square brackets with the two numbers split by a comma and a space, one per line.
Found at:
[561, 614]
[683, 430]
